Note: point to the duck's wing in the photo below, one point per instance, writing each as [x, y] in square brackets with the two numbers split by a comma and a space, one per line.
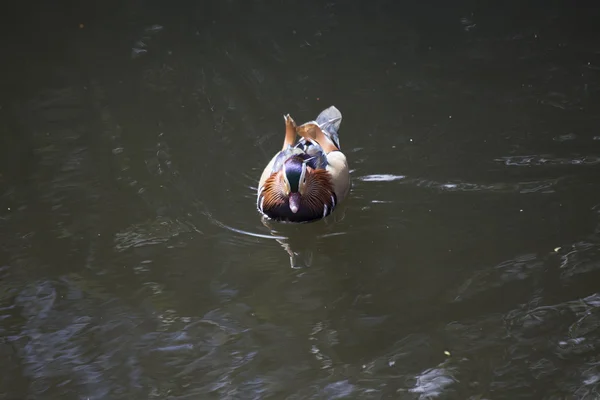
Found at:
[329, 121]
[324, 130]
[317, 159]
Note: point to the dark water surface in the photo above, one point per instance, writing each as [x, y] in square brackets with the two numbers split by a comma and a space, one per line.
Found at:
[465, 264]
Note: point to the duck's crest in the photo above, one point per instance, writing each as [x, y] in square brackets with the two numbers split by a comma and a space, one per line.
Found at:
[329, 121]
[283, 155]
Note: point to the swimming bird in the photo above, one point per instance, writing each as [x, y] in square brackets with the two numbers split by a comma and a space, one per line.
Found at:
[307, 179]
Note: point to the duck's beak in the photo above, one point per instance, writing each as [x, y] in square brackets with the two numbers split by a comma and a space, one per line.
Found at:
[294, 201]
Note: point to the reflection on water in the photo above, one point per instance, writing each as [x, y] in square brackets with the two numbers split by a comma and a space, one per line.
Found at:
[463, 264]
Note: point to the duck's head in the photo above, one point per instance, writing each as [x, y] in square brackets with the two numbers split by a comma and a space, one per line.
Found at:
[297, 192]
[294, 174]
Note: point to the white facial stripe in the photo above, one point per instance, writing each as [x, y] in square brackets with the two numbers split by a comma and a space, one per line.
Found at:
[286, 182]
[302, 178]
[303, 173]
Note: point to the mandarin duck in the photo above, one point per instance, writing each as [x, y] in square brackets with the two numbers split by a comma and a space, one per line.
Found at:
[307, 179]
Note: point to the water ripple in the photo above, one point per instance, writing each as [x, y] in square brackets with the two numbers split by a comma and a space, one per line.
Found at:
[433, 382]
[579, 258]
[537, 160]
[534, 186]
[150, 233]
[381, 178]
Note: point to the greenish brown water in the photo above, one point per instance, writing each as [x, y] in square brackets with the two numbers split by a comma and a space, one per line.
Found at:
[464, 265]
